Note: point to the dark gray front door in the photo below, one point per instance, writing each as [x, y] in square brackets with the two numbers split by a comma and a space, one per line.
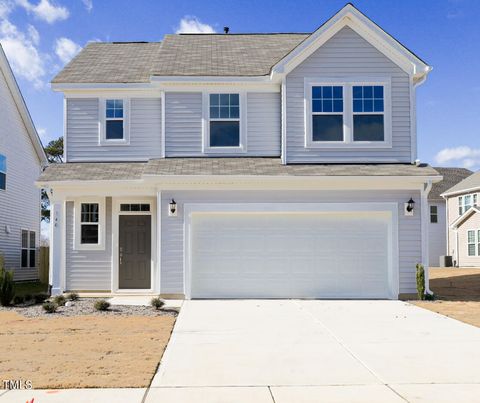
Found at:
[134, 252]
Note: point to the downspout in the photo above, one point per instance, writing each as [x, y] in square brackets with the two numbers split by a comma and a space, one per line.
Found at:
[424, 215]
[284, 120]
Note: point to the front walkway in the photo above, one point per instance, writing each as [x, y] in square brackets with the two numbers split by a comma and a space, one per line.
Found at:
[290, 351]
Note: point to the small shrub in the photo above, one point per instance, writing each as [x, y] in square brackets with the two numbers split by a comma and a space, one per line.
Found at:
[49, 307]
[18, 299]
[41, 297]
[7, 287]
[73, 296]
[28, 297]
[430, 297]
[420, 281]
[101, 305]
[157, 303]
[59, 300]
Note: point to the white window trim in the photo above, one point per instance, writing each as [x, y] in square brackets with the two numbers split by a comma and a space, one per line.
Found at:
[475, 243]
[101, 224]
[242, 148]
[103, 141]
[462, 205]
[347, 83]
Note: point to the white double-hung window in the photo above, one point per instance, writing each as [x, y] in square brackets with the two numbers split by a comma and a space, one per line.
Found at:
[224, 129]
[114, 121]
[473, 242]
[347, 113]
[3, 172]
[466, 202]
[90, 224]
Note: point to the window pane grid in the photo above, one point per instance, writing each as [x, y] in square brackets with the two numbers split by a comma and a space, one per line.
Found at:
[224, 106]
[368, 98]
[89, 213]
[29, 249]
[114, 109]
[327, 99]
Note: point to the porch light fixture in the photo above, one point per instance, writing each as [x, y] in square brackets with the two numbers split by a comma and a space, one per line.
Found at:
[172, 208]
[409, 207]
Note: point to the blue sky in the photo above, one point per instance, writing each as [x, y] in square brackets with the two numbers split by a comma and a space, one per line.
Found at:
[40, 36]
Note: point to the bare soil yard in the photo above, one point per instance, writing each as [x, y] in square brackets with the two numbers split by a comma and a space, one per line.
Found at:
[82, 351]
[458, 293]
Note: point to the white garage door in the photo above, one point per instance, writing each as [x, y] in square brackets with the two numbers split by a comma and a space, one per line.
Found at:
[290, 255]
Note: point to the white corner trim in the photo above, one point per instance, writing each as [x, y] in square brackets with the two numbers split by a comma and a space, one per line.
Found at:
[284, 121]
[163, 113]
[101, 223]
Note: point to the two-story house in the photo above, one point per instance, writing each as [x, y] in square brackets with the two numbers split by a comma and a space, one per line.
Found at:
[463, 218]
[242, 166]
[21, 161]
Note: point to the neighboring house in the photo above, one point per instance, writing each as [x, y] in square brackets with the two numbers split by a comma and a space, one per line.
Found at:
[437, 229]
[463, 218]
[242, 166]
[21, 161]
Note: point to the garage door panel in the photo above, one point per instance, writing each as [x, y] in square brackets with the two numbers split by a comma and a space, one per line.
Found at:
[282, 255]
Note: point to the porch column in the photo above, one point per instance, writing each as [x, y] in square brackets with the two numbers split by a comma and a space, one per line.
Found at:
[158, 279]
[57, 242]
[424, 225]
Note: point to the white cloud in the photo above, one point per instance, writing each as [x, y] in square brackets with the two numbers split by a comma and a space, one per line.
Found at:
[66, 49]
[464, 156]
[88, 4]
[6, 7]
[192, 25]
[43, 135]
[45, 10]
[33, 34]
[25, 59]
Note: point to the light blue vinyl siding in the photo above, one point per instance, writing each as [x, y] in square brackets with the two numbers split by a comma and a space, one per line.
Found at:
[82, 127]
[347, 54]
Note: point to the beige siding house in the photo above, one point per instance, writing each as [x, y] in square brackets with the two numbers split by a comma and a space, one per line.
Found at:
[463, 217]
[242, 166]
[21, 161]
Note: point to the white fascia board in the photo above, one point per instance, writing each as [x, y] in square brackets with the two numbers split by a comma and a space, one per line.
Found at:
[351, 17]
[448, 194]
[63, 87]
[210, 79]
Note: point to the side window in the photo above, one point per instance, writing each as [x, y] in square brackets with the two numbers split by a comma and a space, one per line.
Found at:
[327, 113]
[224, 120]
[89, 224]
[471, 242]
[114, 119]
[460, 205]
[433, 214]
[29, 249]
[368, 113]
[3, 172]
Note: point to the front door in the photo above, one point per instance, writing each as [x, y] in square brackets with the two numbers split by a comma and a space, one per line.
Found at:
[134, 252]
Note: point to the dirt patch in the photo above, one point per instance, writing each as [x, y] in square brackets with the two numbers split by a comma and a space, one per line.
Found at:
[458, 293]
[83, 351]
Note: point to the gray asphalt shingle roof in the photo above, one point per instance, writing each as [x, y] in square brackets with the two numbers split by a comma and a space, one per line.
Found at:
[179, 55]
[100, 62]
[451, 176]
[471, 182]
[221, 166]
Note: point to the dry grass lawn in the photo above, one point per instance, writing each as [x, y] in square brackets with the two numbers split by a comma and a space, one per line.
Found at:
[458, 293]
[82, 351]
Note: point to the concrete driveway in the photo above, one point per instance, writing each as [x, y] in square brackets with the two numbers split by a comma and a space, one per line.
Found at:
[290, 351]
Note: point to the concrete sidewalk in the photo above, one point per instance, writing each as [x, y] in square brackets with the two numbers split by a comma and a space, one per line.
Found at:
[289, 351]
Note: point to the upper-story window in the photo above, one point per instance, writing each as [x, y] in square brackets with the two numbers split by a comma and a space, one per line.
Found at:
[114, 119]
[347, 114]
[368, 113]
[466, 202]
[434, 214]
[114, 114]
[3, 172]
[224, 120]
[224, 128]
[327, 113]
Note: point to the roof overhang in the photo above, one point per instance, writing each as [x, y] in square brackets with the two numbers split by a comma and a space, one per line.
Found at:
[463, 217]
[22, 107]
[448, 194]
[349, 16]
